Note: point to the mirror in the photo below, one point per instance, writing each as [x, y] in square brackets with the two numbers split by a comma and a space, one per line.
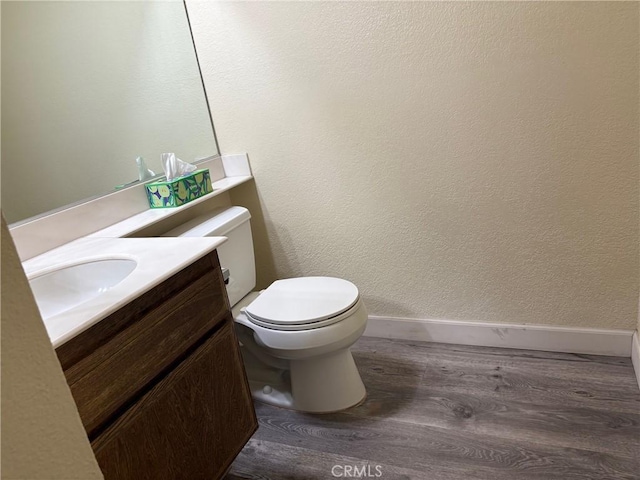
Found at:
[86, 88]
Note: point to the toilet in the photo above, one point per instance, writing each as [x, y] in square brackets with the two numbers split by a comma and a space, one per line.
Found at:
[296, 334]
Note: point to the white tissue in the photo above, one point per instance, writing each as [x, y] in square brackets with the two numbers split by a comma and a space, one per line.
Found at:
[174, 167]
[144, 173]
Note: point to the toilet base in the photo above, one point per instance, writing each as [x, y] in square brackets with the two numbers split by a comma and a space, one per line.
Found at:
[330, 383]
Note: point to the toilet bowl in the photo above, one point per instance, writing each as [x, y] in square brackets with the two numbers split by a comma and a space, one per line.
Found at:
[295, 334]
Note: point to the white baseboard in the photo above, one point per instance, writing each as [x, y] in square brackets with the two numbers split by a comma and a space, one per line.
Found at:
[635, 355]
[529, 337]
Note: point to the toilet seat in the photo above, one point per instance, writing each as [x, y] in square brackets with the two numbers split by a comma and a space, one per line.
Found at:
[303, 303]
[306, 343]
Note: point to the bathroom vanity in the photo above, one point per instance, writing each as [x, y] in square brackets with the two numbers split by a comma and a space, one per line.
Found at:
[143, 331]
[159, 383]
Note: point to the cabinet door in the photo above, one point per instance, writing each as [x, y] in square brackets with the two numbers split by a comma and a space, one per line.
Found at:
[190, 425]
[112, 364]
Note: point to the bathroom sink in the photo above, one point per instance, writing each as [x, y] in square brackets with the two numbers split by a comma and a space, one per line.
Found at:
[68, 287]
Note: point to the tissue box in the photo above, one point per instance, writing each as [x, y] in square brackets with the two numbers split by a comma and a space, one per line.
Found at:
[163, 194]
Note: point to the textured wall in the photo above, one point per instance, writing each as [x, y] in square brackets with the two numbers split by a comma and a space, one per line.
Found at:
[42, 435]
[456, 160]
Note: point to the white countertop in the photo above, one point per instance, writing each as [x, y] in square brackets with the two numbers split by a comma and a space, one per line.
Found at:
[157, 259]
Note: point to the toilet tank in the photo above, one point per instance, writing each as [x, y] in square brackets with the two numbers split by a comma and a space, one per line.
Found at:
[236, 253]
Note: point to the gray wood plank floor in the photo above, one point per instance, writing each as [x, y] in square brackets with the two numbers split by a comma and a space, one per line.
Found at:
[451, 412]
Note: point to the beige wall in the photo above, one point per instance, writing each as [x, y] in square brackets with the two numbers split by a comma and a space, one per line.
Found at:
[473, 161]
[42, 435]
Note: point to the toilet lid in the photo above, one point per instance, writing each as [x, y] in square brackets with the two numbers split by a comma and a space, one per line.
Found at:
[305, 300]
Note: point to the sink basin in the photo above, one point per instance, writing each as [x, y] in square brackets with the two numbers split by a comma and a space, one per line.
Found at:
[67, 287]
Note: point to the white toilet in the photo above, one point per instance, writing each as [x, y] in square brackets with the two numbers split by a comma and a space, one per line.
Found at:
[295, 334]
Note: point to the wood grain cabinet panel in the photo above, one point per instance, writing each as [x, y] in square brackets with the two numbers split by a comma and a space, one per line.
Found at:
[137, 355]
[189, 426]
[160, 385]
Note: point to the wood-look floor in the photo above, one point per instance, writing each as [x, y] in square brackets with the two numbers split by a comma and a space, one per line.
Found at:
[451, 412]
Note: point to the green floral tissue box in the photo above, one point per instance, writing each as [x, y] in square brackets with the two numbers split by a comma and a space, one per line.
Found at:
[163, 194]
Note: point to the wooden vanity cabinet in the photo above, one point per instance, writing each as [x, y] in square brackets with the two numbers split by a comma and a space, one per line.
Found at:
[160, 385]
